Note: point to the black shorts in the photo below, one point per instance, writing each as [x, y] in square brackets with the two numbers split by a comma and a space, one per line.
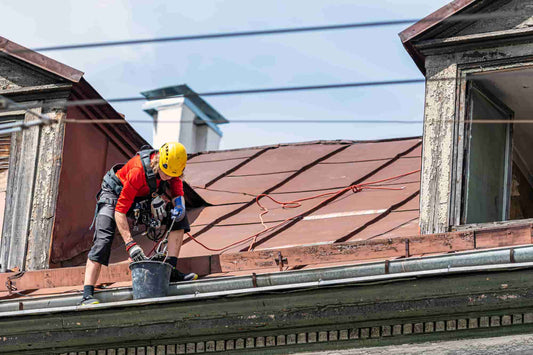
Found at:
[105, 227]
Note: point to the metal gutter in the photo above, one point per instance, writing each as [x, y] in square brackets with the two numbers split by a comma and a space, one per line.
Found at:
[476, 261]
[256, 290]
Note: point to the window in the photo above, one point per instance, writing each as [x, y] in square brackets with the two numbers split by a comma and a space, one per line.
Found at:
[497, 176]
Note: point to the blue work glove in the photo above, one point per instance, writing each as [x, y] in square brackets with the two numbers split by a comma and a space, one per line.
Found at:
[178, 212]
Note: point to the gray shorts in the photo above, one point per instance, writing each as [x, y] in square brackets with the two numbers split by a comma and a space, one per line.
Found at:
[105, 227]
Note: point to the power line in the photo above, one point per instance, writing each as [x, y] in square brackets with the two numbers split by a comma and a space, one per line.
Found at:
[210, 36]
[239, 92]
[289, 121]
[18, 126]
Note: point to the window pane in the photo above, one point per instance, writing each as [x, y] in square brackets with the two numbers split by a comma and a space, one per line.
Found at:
[488, 166]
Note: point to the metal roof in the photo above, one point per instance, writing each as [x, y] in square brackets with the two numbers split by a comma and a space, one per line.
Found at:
[350, 226]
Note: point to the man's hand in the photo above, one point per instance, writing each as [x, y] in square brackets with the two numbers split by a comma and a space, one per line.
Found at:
[135, 251]
[178, 212]
[158, 208]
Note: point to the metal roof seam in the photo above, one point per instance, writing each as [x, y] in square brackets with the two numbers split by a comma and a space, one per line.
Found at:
[328, 200]
[248, 204]
[395, 228]
[378, 218]
[238, 166]
[263, 174]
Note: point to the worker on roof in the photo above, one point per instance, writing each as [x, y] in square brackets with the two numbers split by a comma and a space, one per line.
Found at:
[149, 181]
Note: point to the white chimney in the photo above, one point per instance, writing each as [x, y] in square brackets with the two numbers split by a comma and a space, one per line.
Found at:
[187, 119]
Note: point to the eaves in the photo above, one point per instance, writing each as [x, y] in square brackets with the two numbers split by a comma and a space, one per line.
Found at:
[410, 309]
[474, 42]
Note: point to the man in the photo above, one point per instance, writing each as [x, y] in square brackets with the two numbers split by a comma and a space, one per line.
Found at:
[145, 180]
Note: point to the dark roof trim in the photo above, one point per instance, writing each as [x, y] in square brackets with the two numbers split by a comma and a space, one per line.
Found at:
[19, 52]
[427, 23]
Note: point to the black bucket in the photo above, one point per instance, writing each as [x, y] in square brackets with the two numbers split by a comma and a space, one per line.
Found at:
[150, 279]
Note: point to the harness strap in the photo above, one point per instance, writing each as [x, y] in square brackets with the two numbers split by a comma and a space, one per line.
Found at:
[111, 181]
[151, 177]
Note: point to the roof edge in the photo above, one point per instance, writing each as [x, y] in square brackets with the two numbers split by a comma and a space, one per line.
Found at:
[38, 60]
[334, 141]
[427, 23]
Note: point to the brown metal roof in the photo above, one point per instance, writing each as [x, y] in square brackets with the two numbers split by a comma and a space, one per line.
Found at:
[19, 52]
[343, 229]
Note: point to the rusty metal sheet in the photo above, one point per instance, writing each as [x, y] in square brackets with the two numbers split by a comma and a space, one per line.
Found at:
[226, 155]
[286, 158]
[71, 234]
[348, 253]
[199, 174]
[394, 225]
[416, 153]
[360, 152]
[503, 236]
[252, 185]
[399, 167]
[363, 202]
[211, 213]
[220, 236]
[324, 176]
[327, 176]
[216, 196]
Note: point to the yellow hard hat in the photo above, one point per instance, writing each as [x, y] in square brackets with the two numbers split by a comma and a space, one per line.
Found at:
[172, 158]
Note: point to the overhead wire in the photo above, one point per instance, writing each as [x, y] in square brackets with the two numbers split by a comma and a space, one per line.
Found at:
[277, 31]
[44, 120]
[18, 126]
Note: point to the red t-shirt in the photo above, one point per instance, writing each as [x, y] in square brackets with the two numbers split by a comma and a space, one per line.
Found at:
[135, 185]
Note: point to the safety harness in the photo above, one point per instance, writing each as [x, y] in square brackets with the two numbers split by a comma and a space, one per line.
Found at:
[111, 180]
[113, 183]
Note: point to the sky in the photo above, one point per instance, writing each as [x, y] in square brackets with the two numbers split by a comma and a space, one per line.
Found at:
[312, 58]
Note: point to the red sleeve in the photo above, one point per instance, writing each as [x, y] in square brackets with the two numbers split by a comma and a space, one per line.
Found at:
[134, 181]
[176, 187]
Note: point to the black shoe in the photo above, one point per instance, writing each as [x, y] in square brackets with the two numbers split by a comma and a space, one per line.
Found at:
[176, 276]
[85, 301]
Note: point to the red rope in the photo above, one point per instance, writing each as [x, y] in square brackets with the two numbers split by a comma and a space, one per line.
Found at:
[297, 203]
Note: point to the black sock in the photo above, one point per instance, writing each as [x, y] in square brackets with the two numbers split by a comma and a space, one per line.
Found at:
[88, 291]
[172, 260]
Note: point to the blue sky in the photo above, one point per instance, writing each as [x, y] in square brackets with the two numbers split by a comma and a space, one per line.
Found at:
[371, 54]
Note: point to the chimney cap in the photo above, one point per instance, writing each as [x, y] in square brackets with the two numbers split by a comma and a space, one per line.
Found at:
[186, 92]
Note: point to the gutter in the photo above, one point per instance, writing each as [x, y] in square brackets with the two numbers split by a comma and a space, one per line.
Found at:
[385, 271]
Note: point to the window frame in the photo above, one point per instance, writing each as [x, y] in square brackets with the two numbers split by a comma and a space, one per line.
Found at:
[461, 142]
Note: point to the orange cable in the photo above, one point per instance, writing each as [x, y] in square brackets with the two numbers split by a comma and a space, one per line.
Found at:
[296, 203]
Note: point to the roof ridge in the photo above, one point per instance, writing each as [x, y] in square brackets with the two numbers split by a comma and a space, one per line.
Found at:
[333, 141]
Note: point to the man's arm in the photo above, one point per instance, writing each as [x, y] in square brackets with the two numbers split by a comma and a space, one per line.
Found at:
[123, 227]
[135, 251]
